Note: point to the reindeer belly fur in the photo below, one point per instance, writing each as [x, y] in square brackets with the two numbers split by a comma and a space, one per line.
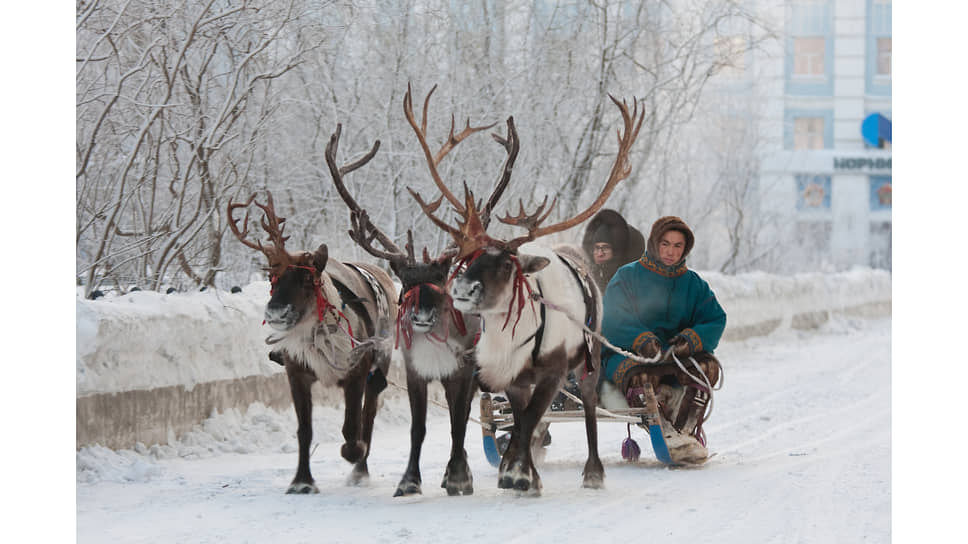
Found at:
[433, 360]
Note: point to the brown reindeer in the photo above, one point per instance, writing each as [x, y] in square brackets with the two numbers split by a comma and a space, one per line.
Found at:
[320, 310]
[436, 340]
[524, 350]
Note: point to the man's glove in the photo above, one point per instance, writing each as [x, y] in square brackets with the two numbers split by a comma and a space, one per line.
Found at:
[650, 349]
[680, 346]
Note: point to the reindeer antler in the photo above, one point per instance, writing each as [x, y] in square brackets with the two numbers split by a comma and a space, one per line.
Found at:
[620, 170]
[271, 223]
[511, 144]
[363, 231]
[452, 140]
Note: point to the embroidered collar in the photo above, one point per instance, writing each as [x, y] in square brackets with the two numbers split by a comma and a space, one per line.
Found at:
[661, 269]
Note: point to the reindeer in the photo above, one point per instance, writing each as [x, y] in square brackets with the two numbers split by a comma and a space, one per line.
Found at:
[436, 340]
[320, 310]
[528, 354]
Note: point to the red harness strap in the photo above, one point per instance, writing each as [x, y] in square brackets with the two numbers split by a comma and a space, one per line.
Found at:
[517, 292]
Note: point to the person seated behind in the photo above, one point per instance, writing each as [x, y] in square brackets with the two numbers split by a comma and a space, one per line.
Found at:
[654, 304]
[609, 243]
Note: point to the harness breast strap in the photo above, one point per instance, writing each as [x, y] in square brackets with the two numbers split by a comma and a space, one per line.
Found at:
[539, 332]
[590, 306]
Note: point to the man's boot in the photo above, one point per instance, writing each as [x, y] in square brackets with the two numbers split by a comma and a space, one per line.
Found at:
[683, 409]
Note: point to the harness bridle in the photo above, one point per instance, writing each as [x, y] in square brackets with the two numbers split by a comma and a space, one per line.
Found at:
[322, 303]
[410, 300]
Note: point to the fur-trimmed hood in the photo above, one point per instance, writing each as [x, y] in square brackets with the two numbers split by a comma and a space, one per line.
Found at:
[664, 225]
[627, 242]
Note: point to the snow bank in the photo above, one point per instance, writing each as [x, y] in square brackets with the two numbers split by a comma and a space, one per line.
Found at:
[145, 339]
[151, 365]
[757, 303]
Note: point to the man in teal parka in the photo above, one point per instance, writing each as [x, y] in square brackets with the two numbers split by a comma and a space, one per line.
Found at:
[657, 303]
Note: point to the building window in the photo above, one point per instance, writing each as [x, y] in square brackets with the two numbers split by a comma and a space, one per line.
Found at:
[813, 192]
[810, 48]
[808, 55]
[884, 57]
[880, 196]
[808, 133]
[879, 47]
[808, 129]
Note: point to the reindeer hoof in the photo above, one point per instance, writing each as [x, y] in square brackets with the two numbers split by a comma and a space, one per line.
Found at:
[302, 488]
[522, 484]
[458, 481]
[353, 452]
[458, 488]
[358, 476]
[405, 489]
[505, 482]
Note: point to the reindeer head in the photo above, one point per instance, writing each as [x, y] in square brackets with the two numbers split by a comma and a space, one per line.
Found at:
[296, 277]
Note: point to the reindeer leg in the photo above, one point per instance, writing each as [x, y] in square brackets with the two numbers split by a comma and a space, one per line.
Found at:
[353, 449]
[300, 381]
[459, 389]
[417, 392]
[375, 383]
[594, 472]
[518, 397]
[521, 473]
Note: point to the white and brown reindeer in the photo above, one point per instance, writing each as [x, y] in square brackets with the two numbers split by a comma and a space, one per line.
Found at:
[435, 340]
[528, 351]
[319, 310]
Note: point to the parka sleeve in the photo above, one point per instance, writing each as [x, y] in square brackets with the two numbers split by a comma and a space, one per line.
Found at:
[621, 322]
[708, 323]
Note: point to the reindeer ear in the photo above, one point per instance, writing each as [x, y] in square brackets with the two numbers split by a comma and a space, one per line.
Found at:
[320, 257]
[531, 264]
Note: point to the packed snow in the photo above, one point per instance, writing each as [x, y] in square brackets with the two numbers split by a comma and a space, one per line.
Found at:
[800, 432]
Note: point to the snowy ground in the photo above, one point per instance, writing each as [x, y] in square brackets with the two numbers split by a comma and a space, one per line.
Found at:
[801, 432]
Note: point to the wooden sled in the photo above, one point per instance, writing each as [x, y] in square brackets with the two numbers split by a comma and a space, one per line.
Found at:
[496, 419]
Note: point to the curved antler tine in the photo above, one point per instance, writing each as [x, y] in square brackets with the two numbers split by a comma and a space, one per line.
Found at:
[273, 225]
[366, 227]
[511, 145]
[243, 234]
[347, 168]
[411, 260]
[363, 232]
[423, 117]
[429, 210]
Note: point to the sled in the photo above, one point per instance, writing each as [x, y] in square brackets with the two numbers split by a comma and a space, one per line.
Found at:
[496, 419]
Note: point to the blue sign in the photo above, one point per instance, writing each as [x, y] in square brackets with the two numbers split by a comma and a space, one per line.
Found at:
[876, 129]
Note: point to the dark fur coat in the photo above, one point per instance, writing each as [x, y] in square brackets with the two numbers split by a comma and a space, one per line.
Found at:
[627, 242]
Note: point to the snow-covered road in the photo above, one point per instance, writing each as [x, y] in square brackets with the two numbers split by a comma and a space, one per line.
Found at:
[801, 431]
